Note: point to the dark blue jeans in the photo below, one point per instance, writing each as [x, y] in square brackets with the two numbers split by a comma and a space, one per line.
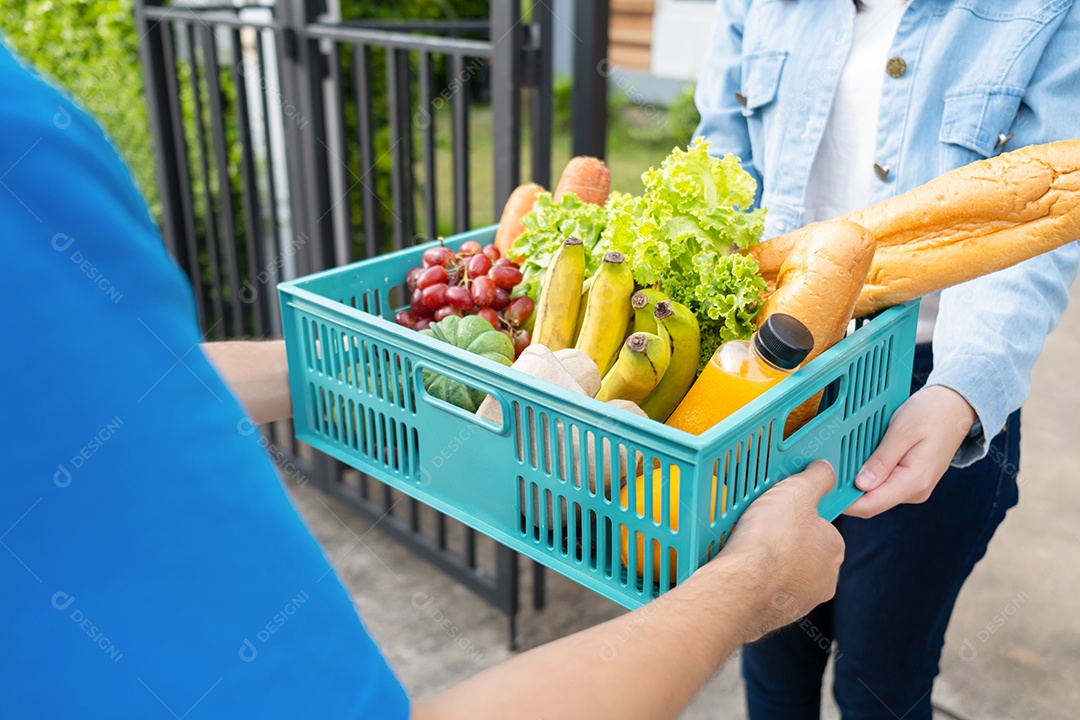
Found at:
[901, 574]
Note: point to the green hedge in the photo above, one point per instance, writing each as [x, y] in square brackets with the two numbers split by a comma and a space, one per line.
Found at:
[90, 48]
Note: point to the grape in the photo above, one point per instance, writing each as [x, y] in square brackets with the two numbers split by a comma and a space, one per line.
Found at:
[435, 295]
[522, 339]
[446, 311]
[502, 298]
[437, 256]
[454, 275]
[410, 278]
[478, 265]
[460, 297]
[507, 262]
[492, 252]
[405, 319]
[417, 306]
[491, 316]
[422, 324]
[519, 310]
[469, 247]
[483, 291]
[432, 276]
[505, 276]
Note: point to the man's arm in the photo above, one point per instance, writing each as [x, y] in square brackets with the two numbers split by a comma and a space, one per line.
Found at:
[257, 373]
[782, 560]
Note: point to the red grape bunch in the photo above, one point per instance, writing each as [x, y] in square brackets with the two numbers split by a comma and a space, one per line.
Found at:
[473, 281]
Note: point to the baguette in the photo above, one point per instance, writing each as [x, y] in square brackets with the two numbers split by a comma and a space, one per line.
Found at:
[818, 284]
[969, 222]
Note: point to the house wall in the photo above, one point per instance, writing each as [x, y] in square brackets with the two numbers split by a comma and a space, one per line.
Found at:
[680, 37]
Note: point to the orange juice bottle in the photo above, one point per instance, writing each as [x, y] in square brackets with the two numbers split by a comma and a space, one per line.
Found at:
[740, 370]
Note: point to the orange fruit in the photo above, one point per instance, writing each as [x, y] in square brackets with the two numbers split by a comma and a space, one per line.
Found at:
[673, 503]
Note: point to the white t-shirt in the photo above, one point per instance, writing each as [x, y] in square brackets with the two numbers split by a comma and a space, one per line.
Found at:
[842, 177]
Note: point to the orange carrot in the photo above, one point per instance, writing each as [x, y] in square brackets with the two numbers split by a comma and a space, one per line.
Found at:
[586, 177]
[517, 206]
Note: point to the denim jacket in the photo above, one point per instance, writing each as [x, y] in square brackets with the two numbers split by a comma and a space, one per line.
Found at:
[979, 77]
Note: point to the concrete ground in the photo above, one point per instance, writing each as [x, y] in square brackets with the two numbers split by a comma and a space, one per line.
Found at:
[1012, 650]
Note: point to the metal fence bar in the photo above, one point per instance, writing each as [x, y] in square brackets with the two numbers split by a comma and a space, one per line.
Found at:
[506, 64]
[540, 97]
[249, 191]
[209, 220]
[215, 99]
[426, 123]
[399, 40]
[459, 106]
[589, 99]
[399, 104]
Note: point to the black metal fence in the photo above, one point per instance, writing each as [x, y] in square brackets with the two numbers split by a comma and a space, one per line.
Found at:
[289, 141]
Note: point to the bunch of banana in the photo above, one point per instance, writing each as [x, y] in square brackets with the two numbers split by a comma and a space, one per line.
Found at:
[560, 297]
[644, 302]
[642, 362]
[685, 337]
[653, 367]
[607, 312]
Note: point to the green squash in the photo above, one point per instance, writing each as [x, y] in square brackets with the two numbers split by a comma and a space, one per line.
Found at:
[474, 334]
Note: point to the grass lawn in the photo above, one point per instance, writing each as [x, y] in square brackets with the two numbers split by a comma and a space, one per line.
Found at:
[625, 158]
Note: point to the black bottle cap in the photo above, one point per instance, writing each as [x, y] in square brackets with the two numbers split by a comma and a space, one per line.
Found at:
[783, 341]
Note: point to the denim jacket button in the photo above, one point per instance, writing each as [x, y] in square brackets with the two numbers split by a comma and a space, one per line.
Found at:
[740, 98]
[882, 171]
[896, 67]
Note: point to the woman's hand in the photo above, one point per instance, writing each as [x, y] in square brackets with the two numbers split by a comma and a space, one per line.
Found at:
[923, 436]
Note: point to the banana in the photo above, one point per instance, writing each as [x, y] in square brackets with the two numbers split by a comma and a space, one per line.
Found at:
[643, 302]
[607, 313]
[642, 362]
[586, 287]
[685, 337]
[560, 297]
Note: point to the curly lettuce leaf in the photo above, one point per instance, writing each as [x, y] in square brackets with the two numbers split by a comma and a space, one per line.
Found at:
[724, 293]
[679, 235]
[547, 226]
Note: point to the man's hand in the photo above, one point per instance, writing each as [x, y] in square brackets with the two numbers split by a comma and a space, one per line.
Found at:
[922, 438]
[783, 542]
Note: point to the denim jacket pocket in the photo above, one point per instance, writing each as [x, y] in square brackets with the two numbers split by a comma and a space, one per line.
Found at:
[761, 78]
[978, 120]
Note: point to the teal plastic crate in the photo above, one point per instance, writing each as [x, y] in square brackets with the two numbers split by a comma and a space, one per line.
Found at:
[357, 395]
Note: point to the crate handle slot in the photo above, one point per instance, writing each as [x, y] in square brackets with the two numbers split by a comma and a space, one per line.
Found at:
[474, 382]
[832, 405]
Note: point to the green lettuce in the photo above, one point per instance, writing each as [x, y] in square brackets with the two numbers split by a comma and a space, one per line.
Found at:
[547, 226]
[680, 236]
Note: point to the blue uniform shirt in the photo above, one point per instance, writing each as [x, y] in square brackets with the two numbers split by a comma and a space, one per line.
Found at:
[151, 563]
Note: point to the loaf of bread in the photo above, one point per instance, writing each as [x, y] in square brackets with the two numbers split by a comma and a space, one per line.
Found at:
[818, 284]
[969, 222]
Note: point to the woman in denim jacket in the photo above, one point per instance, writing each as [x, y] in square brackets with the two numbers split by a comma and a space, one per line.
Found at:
[835, 105]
